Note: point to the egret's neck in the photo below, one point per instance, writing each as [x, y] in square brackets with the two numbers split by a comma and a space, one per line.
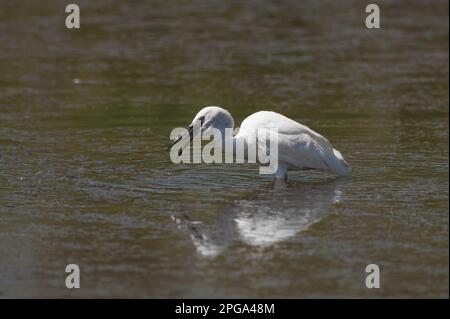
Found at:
[233, 146]
[228, 142]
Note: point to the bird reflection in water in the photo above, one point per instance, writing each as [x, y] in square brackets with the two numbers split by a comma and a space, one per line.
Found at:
[272, 216]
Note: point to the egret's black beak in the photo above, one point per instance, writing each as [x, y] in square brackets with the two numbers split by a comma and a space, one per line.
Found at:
[190, 131]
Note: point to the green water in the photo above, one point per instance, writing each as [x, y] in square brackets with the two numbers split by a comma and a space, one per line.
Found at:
[85, 118]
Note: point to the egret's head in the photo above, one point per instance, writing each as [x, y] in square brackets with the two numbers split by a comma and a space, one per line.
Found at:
[208, 117]
[215, 117]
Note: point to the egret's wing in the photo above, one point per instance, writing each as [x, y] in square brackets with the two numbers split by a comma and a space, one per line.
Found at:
[298, 145]
[304, 150]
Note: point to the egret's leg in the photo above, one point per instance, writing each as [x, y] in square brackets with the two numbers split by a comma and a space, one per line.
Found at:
[281, 173]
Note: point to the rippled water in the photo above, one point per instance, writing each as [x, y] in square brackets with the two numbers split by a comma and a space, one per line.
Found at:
[85, 117]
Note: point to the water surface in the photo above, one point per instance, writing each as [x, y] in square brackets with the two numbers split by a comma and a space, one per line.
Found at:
[85, 117]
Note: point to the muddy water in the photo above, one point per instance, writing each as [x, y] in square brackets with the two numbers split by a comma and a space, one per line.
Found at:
[85, 117]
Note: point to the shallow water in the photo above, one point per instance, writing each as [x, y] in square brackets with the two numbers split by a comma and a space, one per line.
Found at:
[85, 117]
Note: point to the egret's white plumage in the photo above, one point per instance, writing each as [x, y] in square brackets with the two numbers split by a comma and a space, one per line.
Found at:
[299, 147]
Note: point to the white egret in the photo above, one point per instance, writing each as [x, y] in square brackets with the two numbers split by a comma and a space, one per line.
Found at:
[299, 147]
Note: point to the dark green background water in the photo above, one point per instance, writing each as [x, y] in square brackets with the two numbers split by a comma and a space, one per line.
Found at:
[85, 117]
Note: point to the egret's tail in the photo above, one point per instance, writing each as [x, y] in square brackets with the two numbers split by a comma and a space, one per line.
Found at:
[338, 164]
